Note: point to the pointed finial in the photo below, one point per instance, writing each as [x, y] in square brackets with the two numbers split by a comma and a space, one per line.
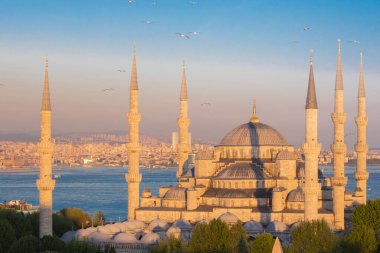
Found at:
[46, 106]
[339, 46]
[311, 56]
[254, 118]
[134, 84]
[361, 92]
[183, 95]
[339, 76]
[311, 100]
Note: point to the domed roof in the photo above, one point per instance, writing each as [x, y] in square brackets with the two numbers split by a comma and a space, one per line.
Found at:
[125, 238]
[176, 193]
[286, 155]
[296, 195]
[82, 233]
[253, 227]
[134, 225]
[68, 236]
[294, 225]
[150, 238]
[114, 228]
[173, 231]
[105, 230]
[158, 225]
[241, 170]
[228, 218]
[276, 227]
[182, 224]
[253, 134]
[99, 237]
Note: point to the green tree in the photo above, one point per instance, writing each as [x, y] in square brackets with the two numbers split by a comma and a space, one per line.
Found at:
[237, 234]
[15, 219]
[26, 244]
[368, 215]
[7, 235]
[170, 246]
[98, 218]
[75, 246]
[360, 240]
[262, 244]
[51, 243]
[313, 237]
[78, 216]
[62, 224]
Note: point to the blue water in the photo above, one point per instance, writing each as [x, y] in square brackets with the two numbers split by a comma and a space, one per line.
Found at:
[105, 189]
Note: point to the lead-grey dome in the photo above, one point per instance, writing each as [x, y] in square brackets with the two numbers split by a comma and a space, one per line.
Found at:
[254, 134]
[241, 170]
[176, 193]
[296, 195]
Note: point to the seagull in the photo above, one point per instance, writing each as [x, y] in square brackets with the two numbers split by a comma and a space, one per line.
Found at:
[307, 29]
[206, 103]
[182, 35]
[356, 42]
[148, 22]
[194, 33]
[131, 1]
[108, 89]
[121, 70]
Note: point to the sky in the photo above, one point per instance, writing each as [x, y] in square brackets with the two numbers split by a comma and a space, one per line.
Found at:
[245, 50]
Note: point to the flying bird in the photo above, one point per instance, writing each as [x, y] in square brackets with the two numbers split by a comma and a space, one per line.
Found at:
[131, 1]
[121, 70]
[194, 33]
[206, 103]
[183, 36]
[355, 42]
[108, 89]
[307, 29]
[147, 22]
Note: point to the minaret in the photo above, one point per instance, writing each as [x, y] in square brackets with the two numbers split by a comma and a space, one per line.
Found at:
[45, 183]
[133, 177]
[183, 123]
[311, 149]
[338, 148]
[361, 148]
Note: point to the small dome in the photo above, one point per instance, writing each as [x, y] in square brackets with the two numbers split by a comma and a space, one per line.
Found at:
[120, 225]
[253, 227]
[241, 171]
[125, 238]
[173, 231]
[104, 230]
[296, 195]
[134, 225]
[182, 224]
[253, 134]
[176, 193]
[99, 237]
[294, 225]
[68, 236]
[158, 225]
[286, 155]
[276, 227]
[228, 218]
[150, 238]
[146, 193]
[114, 228]
[83, 233]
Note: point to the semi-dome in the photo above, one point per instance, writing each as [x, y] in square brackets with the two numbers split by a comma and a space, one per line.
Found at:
[228, 218]
[253, 227]
[176, 193]
[241, 170]
[254, 134]
[125, 238]
[296, 195]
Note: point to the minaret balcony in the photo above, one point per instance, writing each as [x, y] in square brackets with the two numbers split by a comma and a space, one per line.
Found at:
[339, 181]
[133, 147]
[338, 117]
[133, 117]
[311, 148]
[133, 178]
[361, 175]
[361, 148]
[45, 148]
[45, 184]
[361, 120]
[339, 148]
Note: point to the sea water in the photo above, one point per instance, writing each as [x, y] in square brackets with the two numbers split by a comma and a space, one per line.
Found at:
[105, 189]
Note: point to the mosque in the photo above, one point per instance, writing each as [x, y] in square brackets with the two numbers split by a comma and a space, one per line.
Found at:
[253, 175]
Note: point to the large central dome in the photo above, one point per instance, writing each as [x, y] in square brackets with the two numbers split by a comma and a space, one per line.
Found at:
[253, 134]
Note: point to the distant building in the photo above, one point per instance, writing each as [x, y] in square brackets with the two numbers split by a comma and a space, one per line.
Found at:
[174, 140]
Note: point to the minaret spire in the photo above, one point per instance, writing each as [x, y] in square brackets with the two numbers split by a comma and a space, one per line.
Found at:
[361, 147]
[338, 148]
[183, 124]
[311, 149]
[45, 183]
[311, 100]
[133, 177]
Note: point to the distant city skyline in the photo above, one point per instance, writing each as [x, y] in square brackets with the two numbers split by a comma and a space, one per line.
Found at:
[245, 50]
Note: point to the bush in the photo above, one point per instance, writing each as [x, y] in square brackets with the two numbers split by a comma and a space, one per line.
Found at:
[170, 246]
[360, 240]
[7, 235]
[313, 237]
[98, 218]
[62, 224]
[368, 215]
[78, 216]
[262, 244]
[26, 244]
[75, 246]
[51, 243]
